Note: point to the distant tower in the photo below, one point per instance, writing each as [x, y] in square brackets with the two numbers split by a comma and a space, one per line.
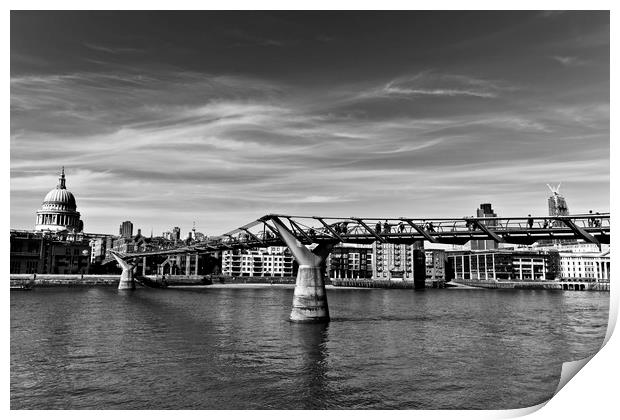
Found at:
[176, 234]
[557, 202]
[126, 229]
[485, 210]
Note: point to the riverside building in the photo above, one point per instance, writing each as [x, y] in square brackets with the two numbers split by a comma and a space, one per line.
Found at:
[506, 265]
[273, 261]
[589, 266]
[398, 262]
[47, 252]
[580, 260]
[350, 261]
[99, 246]
[435, 261]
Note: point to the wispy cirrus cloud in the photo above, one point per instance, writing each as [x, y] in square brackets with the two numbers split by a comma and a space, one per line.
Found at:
[435, 84]
[113, 49]
[569, 60]
[200, 131]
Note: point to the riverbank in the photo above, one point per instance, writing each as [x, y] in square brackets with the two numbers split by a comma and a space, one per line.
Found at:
[27, 281]
[66, 280]
[111, 280]
[385, 284]
[534, 285]
[255, 286]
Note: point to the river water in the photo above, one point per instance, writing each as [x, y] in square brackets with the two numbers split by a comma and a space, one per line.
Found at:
[217, 348]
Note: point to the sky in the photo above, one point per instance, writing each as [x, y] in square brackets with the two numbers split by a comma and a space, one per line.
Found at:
[217, 118]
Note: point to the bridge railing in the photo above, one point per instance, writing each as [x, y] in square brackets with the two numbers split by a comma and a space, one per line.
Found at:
[394, 227]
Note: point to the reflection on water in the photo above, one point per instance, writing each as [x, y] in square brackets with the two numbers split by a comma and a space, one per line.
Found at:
[100, 348]
[312, 363]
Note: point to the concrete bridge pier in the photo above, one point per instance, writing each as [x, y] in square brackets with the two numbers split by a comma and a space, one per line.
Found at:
[309, 298]
[127, 276]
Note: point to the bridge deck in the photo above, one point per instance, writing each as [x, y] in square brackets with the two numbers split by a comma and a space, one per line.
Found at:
[593, 228]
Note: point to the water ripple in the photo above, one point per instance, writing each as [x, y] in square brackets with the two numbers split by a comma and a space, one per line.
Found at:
[235, 349]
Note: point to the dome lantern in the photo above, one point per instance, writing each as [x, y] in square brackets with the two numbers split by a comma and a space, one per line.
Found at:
[61, 180]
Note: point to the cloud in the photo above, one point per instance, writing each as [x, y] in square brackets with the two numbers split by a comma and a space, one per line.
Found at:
[429, 83]
[392, 90]
[86, 103]
[569, 61]
[241, 38]
[551, 13]
[221, 148]
[113, 50]
[319, 199]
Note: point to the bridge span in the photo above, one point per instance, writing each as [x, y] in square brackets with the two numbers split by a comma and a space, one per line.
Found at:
[311, 238]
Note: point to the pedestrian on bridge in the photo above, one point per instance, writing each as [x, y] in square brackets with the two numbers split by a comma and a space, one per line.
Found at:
[530, 221]
[591, 220]
[401, 227]
[336, 227]
[386, 227]
[378, 227]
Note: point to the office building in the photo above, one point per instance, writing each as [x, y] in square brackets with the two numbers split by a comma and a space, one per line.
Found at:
[557, 203]
[485, 210]
[504, 265]
[126, 229]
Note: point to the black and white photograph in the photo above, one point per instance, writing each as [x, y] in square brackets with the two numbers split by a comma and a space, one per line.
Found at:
[307, 209]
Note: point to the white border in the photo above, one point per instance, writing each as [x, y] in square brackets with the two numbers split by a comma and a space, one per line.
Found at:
[591, 394]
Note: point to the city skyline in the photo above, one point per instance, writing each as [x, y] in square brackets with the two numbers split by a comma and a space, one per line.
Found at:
[220, 118]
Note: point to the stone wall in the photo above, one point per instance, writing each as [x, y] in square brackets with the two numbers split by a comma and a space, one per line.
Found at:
[541, 285]
[48, 280]
[255, 280]
[375, 284]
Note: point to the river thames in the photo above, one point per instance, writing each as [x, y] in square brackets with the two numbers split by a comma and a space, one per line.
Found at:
[234, 348]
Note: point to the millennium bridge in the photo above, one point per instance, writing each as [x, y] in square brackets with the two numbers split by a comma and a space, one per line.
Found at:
[311, 238]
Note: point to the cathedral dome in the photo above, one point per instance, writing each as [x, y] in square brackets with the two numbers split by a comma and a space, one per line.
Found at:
[60, 198]
[59, 211]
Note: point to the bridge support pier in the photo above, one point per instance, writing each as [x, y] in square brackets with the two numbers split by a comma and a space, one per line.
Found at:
[309, 298]
[127, 278]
